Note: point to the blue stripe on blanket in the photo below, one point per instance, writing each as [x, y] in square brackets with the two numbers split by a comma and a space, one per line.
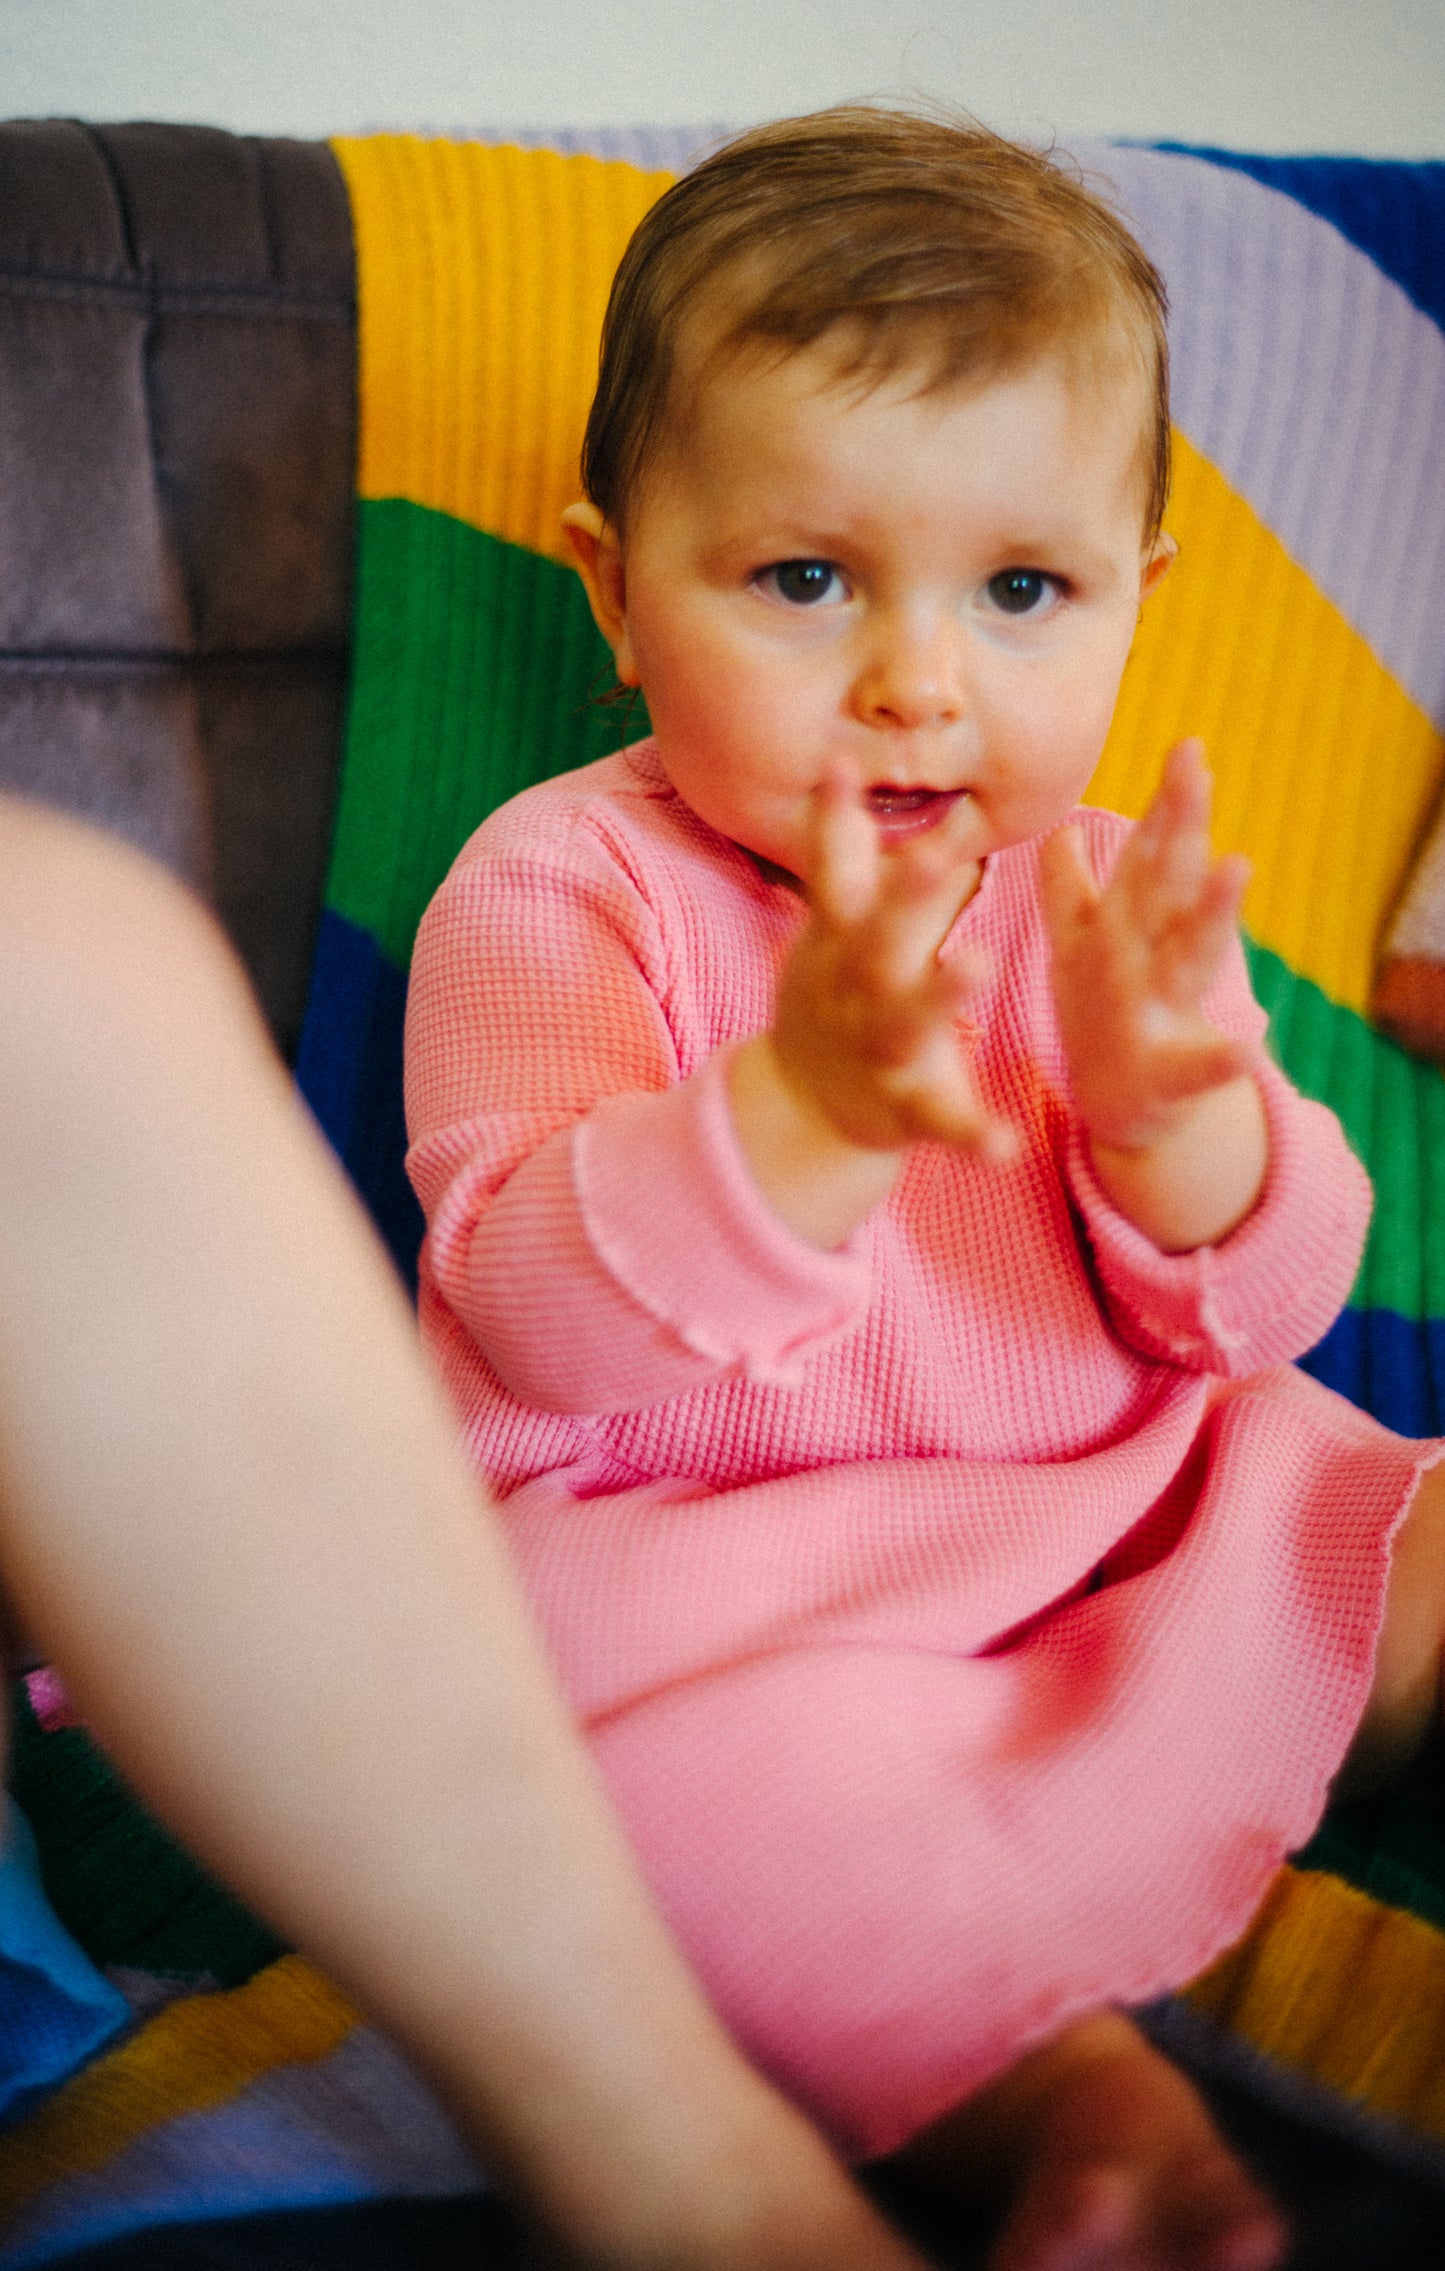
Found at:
[1392, 209]
[358, 2125]
[1345, 464]
[350, 1073]
[1394, 1366]
[349, 1070]
[56, 2009]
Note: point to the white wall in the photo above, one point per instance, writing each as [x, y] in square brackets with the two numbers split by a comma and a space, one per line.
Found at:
[1363, 75]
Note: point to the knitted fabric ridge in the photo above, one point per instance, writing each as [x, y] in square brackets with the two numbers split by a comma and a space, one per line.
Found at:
[968, 1622]
[1296, 632]
[1300, 633]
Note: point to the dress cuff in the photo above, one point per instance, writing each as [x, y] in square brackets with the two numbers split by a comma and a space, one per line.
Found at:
[673, 1212]
[1269, 1290]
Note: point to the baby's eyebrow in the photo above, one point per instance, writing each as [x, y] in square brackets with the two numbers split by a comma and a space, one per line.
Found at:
[769, 548]
[1042, 549]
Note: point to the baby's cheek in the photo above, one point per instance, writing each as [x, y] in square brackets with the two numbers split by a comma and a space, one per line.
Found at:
[1049, 795]
[1074, 755]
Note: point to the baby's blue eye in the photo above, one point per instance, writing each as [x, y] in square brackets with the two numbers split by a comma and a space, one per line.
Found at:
[1019, 591]
[804, 582]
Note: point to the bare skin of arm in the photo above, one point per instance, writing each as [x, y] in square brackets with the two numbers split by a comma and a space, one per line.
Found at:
[232, 1509]
[1176, 1126]
[861, 1061]
[1107, 2158]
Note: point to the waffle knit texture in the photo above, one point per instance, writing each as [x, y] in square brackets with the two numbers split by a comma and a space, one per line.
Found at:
[961, 1650]
[1300, 632]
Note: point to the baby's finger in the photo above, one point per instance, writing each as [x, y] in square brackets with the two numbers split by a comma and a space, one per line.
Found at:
[1180, 1069]
[933, 861]
[1067, 887]
[1190, 955]
[1183, 796]
[955, 980]
[844, 858]
[1165, 862]
[942, 1103]
[1227, 883]
[920, 892]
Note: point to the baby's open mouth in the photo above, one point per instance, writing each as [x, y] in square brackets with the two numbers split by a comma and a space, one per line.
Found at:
[907, 812]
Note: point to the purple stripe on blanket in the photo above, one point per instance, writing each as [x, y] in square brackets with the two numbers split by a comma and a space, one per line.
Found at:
[1392, 208]
[655, 149]
[1344, 461]
[358, 2125]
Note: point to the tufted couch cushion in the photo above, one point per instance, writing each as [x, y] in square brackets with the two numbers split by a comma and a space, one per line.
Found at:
[177, 444]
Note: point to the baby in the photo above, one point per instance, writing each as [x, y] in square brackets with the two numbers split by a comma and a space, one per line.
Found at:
[867, 1238]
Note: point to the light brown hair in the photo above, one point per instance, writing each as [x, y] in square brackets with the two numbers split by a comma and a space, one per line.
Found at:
[917, 238]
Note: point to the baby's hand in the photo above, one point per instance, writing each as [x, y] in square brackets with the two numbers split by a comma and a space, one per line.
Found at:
[865, 1029]
[1133, 962]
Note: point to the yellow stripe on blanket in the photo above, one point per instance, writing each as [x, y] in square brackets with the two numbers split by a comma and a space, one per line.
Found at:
[1343, 1988]
[195, 2054]
[485, 275]
[1326, 772]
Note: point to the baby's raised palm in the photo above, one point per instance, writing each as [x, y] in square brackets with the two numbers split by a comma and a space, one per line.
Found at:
[866, 1026]
[1133, 961]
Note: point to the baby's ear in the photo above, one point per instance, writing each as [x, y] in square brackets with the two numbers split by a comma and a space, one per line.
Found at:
[597, 550]
[1162, 554]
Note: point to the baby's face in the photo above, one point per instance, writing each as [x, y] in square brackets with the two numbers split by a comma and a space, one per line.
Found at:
[936, 593]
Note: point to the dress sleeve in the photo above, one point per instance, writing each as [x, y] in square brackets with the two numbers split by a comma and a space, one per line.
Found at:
[1275, 1285]
[593, 1222]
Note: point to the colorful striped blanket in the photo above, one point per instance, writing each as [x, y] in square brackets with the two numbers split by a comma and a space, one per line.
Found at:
[1302, 633]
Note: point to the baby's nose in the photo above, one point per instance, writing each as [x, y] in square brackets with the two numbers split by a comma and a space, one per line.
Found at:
[912, 675]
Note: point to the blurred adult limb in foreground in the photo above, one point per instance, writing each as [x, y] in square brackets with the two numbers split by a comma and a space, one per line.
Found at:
[232, 1511]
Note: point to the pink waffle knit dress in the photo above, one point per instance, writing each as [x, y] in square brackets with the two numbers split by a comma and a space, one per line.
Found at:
[966, 1622]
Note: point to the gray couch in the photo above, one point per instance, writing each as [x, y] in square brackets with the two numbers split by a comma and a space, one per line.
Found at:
[177, 439]
[177, 436]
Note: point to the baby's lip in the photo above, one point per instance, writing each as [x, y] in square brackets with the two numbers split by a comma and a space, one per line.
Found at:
[887, 797]
[901, 812]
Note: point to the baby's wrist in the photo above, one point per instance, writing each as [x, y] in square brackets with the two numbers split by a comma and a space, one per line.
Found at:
[1131, 1140]
[812, 1173]
[1150, 1127]
[832, 1122]
[1194, 1181]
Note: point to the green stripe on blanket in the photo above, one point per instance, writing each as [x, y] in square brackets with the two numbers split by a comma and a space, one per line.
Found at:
[1393, 1111]
[478, 670]
[118, 1883]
